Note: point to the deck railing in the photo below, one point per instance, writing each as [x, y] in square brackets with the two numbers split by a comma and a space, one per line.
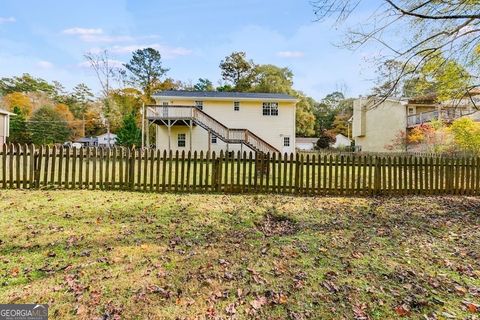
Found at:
[444, 114]
[245, 136]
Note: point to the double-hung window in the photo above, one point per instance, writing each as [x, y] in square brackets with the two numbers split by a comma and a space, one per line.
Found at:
[199, 104]
[182, 140]
[236, 106]
[270, 109]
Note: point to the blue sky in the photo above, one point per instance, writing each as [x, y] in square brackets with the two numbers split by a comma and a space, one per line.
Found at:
[48, 39]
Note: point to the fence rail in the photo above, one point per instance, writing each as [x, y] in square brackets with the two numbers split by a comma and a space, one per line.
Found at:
[31, 167]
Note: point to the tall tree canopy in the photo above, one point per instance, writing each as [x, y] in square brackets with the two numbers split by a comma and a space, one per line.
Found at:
[272, 79]
[204, 85]
[25, 83]
[413, 32]
[146, 69]
[238, 71]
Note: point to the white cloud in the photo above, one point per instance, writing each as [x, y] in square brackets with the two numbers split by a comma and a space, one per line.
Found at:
[83, 31]
[44, 64]
[7, 20]
[167, 52]
[290, 54]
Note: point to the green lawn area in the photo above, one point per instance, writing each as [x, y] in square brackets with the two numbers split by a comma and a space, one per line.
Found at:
[112, 255]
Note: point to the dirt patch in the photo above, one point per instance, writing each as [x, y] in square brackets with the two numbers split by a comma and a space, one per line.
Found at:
[277, 225]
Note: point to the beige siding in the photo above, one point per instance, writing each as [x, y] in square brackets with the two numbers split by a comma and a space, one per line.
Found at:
[272, 129]
[4, 128]
[376, 127]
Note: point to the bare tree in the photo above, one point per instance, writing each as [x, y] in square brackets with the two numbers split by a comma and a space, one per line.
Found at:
[413, 32]
[105, 70]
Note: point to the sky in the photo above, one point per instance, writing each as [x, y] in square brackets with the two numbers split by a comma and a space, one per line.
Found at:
[49, 38]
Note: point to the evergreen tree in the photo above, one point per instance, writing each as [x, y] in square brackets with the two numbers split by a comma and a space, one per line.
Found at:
[18, 128]
[47, 126]
[129, 134]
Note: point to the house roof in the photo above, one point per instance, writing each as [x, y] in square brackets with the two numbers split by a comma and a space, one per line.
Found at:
[218, 95]
[112, 135]
[305, 140]
[6, 112]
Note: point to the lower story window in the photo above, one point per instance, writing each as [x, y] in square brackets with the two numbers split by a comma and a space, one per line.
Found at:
[182, 140]
[286, 141]
[214, 139]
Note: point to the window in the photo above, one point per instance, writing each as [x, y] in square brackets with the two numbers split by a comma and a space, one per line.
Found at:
[199, 104]
[411, 110]
[236, 106]
[182, 140]
[165, 103]
[214, 139]
[286, 141]
[270, 109]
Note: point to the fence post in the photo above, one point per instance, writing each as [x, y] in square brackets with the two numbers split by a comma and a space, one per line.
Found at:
[377, 176]
[130, 168]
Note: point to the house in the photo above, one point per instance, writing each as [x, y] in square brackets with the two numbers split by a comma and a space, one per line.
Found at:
[229, 121]
[107, 140]
[4, 125]
[378, 122]
[305, 144]
[341, 142]
[88, 141]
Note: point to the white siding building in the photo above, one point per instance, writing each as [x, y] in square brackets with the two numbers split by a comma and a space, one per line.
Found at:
[214, 121]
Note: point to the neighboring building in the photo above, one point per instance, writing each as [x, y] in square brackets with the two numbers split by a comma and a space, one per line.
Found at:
[305, 144]
[341, 142]
[88, 141]
[4, 125]
[233, 121]
[107, 140]
[376, 123]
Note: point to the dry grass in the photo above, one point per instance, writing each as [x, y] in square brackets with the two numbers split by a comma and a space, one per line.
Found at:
[93, 254]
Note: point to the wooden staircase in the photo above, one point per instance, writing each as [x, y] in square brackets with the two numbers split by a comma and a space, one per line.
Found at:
[207, 122]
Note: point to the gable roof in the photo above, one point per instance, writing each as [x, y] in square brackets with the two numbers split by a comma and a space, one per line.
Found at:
[220, 95]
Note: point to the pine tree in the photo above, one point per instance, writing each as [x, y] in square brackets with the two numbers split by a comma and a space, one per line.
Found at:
[129, 134]
[18, 128]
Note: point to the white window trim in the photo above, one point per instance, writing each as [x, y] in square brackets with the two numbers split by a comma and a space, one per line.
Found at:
[214, 139]
[184, 140]
[285, 139]
[268, 109]
[199, 104]
[236, 106]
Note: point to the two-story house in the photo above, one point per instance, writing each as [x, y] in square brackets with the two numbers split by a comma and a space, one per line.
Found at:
[229, 121]
[377, 122]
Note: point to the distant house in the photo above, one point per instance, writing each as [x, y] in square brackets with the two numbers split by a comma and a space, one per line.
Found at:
[107, 140]
[88, 141]
[4, 125]
[305, 144]
[341, 141]
[378, 122]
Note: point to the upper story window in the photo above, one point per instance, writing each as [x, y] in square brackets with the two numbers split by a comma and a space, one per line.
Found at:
[236, 106]
[165, 103]
[199, 104]
[182, 140]
[270, 109]
[286, 141]
[214, 139]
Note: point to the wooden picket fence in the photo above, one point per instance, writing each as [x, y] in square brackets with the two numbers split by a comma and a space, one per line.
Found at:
[43, 167]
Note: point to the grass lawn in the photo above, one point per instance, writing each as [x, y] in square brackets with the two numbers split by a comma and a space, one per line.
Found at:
[94, 254]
